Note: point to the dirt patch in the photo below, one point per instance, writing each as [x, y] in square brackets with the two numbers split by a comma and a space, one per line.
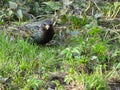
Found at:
[114, 84]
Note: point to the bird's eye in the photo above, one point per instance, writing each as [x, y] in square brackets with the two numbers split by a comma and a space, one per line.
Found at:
[50, 22]
[44, 24]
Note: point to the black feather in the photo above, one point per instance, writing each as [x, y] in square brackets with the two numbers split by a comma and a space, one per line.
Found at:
[36, 32]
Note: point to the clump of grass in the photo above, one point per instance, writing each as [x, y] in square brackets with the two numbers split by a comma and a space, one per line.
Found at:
[23, 61]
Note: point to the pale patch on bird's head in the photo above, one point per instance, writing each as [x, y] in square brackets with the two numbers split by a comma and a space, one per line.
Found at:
[47, 27]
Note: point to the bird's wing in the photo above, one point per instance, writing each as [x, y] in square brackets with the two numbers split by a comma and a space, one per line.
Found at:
[35, 31]
[33, 24]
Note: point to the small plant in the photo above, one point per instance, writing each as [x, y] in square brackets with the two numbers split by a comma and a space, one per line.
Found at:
[111, 10]
[15, 10]
[18, 9]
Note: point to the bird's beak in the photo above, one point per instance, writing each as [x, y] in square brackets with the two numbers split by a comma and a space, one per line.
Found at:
[47, 27]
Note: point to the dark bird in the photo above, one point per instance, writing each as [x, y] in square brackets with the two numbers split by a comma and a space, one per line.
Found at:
[37, 32]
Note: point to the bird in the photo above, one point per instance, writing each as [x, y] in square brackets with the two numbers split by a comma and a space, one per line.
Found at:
[39, 32]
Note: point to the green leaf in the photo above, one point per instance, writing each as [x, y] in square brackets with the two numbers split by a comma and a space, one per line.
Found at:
[13, 5]
[19, 14]
[118, 66]
[67, 2]
[95, 30]
[53, 5]
[10, 12]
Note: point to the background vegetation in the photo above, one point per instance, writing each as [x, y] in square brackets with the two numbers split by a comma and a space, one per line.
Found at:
[83, 55]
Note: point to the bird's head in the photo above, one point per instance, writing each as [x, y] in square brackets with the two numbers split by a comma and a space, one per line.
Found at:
[47, 24]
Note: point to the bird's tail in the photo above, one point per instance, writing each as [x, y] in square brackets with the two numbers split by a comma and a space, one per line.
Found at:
[17, 32]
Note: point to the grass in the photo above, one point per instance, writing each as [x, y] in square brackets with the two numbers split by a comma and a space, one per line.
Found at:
[86, 56]
[28, 66]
